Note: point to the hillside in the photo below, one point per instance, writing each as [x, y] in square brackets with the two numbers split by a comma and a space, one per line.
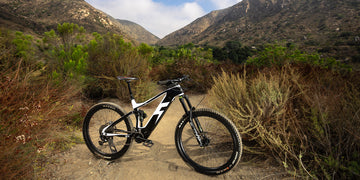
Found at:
[138, 32]
[330, 24]
[191, 32]
[38, 16]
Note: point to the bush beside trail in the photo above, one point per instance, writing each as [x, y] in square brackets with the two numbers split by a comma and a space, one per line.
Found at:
[36, 116]
[305, 117]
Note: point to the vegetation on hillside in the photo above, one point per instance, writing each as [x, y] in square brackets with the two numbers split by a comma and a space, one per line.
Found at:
[330, 27]
[284, 101]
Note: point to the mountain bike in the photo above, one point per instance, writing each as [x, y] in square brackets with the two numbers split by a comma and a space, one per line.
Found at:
[204, 138]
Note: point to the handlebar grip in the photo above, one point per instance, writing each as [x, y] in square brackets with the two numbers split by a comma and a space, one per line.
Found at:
[185, 77]
[173, 81]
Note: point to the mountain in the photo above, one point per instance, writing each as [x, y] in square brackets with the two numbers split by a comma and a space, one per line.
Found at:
[138, 32]
[190, 32]
[326, 23]
[38, 16]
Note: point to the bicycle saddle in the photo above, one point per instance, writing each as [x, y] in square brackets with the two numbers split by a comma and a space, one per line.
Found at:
[126, 78]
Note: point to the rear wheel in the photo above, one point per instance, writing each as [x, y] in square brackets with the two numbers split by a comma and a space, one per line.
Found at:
[100, 116]
[222, 146]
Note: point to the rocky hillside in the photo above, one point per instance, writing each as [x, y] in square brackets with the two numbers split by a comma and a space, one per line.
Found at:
[39, 16]
[191, 32]
[325, 23]
[138, 32]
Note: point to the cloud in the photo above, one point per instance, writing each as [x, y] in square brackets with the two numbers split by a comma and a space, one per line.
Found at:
[221, 4]
[156, 17]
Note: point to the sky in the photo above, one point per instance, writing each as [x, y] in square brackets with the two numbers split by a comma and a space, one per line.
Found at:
[160, 17]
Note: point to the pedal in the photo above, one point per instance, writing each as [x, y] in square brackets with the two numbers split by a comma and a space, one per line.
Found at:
[148, 143]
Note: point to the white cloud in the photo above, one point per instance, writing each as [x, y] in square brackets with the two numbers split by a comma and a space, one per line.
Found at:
[221, 4]
[155, 17]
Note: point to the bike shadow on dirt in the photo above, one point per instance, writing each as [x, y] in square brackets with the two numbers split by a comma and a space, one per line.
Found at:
[166, 155]
[158, 152]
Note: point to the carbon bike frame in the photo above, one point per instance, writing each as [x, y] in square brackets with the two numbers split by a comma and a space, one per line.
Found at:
[146, 130]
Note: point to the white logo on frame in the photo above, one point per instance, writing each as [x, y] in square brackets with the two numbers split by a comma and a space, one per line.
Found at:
[159, 111]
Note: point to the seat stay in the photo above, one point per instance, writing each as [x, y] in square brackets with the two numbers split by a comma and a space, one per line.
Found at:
[104, 133]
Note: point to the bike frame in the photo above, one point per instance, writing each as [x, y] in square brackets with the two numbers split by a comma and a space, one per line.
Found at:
[157, 115]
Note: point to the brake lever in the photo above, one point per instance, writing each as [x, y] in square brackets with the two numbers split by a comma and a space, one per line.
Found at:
[185, 77]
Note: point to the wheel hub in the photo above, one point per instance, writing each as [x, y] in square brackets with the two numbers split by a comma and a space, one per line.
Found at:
[109, 130]
[205, 141]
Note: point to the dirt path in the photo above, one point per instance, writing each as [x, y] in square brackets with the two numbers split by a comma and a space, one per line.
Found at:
[161, 161]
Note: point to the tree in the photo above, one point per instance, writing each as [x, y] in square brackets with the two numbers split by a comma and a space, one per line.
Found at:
[68, 33]
[145, 50]
[66, 58]
[233, 51]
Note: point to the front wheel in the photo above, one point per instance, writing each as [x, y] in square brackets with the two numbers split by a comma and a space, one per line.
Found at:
[221, 142]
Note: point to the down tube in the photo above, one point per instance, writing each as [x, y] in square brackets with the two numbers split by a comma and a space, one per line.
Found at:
[161, 110]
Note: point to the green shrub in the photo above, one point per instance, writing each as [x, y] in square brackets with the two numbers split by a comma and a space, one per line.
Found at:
[278, 55]
[110, 56]
[199, 71]
[65, 58]
[233, 51]
[23, 45]
[196, 62]
[145, 50]
[7, 47]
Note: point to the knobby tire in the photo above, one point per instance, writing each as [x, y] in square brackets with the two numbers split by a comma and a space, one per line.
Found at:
[99, 116]
[223, 147]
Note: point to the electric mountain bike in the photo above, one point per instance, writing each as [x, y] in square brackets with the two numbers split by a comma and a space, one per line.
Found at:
[205, 139]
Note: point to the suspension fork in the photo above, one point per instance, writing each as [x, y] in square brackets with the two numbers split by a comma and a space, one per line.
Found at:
[194, 122]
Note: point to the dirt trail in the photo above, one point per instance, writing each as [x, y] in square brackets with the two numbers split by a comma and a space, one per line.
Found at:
[161, 161]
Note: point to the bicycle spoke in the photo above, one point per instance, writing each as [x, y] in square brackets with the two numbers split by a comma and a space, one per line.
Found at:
[99, 117]
[221, 149]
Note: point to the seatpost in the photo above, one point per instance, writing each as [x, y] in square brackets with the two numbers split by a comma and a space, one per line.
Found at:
[131, 95]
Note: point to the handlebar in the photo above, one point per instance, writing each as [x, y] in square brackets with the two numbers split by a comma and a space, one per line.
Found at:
[170, 82]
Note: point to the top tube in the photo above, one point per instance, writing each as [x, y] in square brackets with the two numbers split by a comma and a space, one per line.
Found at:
[175, 89]
[170, 93]
[171, 82]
